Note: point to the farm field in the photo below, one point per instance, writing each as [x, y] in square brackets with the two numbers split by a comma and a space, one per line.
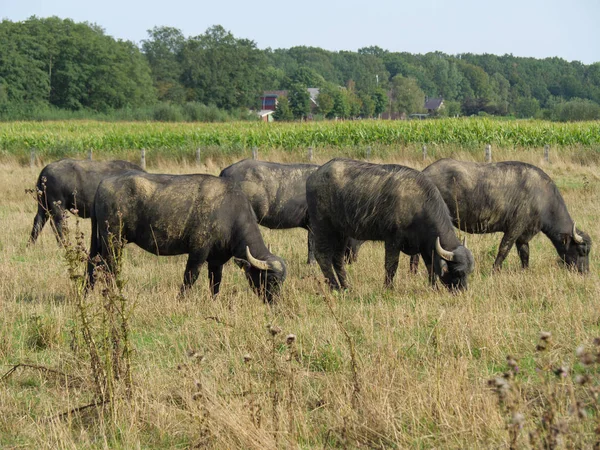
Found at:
[371, 367]
[177, 141]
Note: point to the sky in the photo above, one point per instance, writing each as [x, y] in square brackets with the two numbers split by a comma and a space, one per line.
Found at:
[530, 28]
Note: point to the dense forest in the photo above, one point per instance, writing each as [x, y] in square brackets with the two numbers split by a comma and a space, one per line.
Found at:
[52, 66]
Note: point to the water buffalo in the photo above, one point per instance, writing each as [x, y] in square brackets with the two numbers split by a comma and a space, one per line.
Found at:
[204, 216]
[70, 184]
[514, 198]
[390, 203]
[277, 193]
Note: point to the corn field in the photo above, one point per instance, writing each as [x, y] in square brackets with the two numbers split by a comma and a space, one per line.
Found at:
[65, 138]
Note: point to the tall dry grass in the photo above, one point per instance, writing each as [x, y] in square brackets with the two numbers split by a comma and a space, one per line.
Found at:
[405, 368]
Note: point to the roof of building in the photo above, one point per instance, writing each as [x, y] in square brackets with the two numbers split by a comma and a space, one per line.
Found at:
[433, 103]
[265, 112]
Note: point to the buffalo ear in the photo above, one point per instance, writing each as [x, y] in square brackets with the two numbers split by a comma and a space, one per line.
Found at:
[241, 263]
[443, 267]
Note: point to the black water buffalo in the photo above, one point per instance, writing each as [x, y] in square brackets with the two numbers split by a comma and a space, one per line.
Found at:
[390, 203]
[70, 184]
[204, 216]
[514, 198]
[277, 193]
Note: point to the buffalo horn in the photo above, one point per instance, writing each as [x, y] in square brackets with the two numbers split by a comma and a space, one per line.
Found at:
[445, 254]
[464, 241]
[259, 264]
[577, 237]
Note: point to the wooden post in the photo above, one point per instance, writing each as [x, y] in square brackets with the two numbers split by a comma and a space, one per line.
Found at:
[368, 153]
[32, 158]
[198, 156]
[90, 154]
[424, 152]
[488, 153]
[310, 153]
[547, 153]
[143, 159]
[254, 153]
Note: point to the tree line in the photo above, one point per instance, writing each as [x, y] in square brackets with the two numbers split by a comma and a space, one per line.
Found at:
[61, 65]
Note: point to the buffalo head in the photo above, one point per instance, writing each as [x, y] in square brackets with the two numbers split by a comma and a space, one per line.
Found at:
[264, 276]
[454, 266]
[575, 250]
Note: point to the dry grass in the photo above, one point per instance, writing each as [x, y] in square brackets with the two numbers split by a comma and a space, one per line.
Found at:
[422, 357]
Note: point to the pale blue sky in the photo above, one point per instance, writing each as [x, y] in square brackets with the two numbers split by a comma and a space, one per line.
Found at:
[536, 28]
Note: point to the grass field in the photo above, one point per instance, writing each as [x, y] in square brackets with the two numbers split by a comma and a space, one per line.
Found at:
[376, 368]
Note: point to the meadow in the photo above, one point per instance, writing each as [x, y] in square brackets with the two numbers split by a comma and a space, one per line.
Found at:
[407, 367]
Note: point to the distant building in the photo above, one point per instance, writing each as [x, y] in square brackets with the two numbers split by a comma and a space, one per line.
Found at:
[433, 105]
[268, 101]
[266, 115]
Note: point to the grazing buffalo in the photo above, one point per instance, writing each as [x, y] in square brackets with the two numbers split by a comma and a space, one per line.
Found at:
[390, 203]
[204, 216]
[70, 184]
[277, 193]
[514, 198]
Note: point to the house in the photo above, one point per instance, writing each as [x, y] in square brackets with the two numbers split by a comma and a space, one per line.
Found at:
[266, 115]
[433, 105]
[268, 100]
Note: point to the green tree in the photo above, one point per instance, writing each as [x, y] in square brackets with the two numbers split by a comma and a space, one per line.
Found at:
[222, 70]
[380, 100]
[407, 96]
[326, 102]
[307, 77]
[163, 51]
[527, 107]
[367, 105]
[299, 101]
[283, 112]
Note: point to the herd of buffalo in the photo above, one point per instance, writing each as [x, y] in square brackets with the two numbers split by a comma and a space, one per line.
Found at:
[341, 203]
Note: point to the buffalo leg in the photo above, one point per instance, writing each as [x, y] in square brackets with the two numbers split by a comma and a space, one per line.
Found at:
[57, 224]
[428, 260]
[192, 270]
[324, 255]
[414, 263]
[215, 274]
[392, 254]
[339, 263]
[507, 242]
[38, 223]
[92, 259]
[523, 250]
[311, 248]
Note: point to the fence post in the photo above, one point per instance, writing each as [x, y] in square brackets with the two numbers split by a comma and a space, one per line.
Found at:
[488, 153]
[143, 159]
[32, 158]
[310, 153]
[198, 156]
[424, 152]
[254, 153]
[368, 153]
[547, 153]
[90, 154]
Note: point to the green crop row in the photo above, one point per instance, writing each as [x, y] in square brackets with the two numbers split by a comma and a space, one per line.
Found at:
[64, 138]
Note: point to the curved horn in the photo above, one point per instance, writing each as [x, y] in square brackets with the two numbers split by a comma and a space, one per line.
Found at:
[577, 237]
[259, 264]
[445, 254]
[464, 243]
